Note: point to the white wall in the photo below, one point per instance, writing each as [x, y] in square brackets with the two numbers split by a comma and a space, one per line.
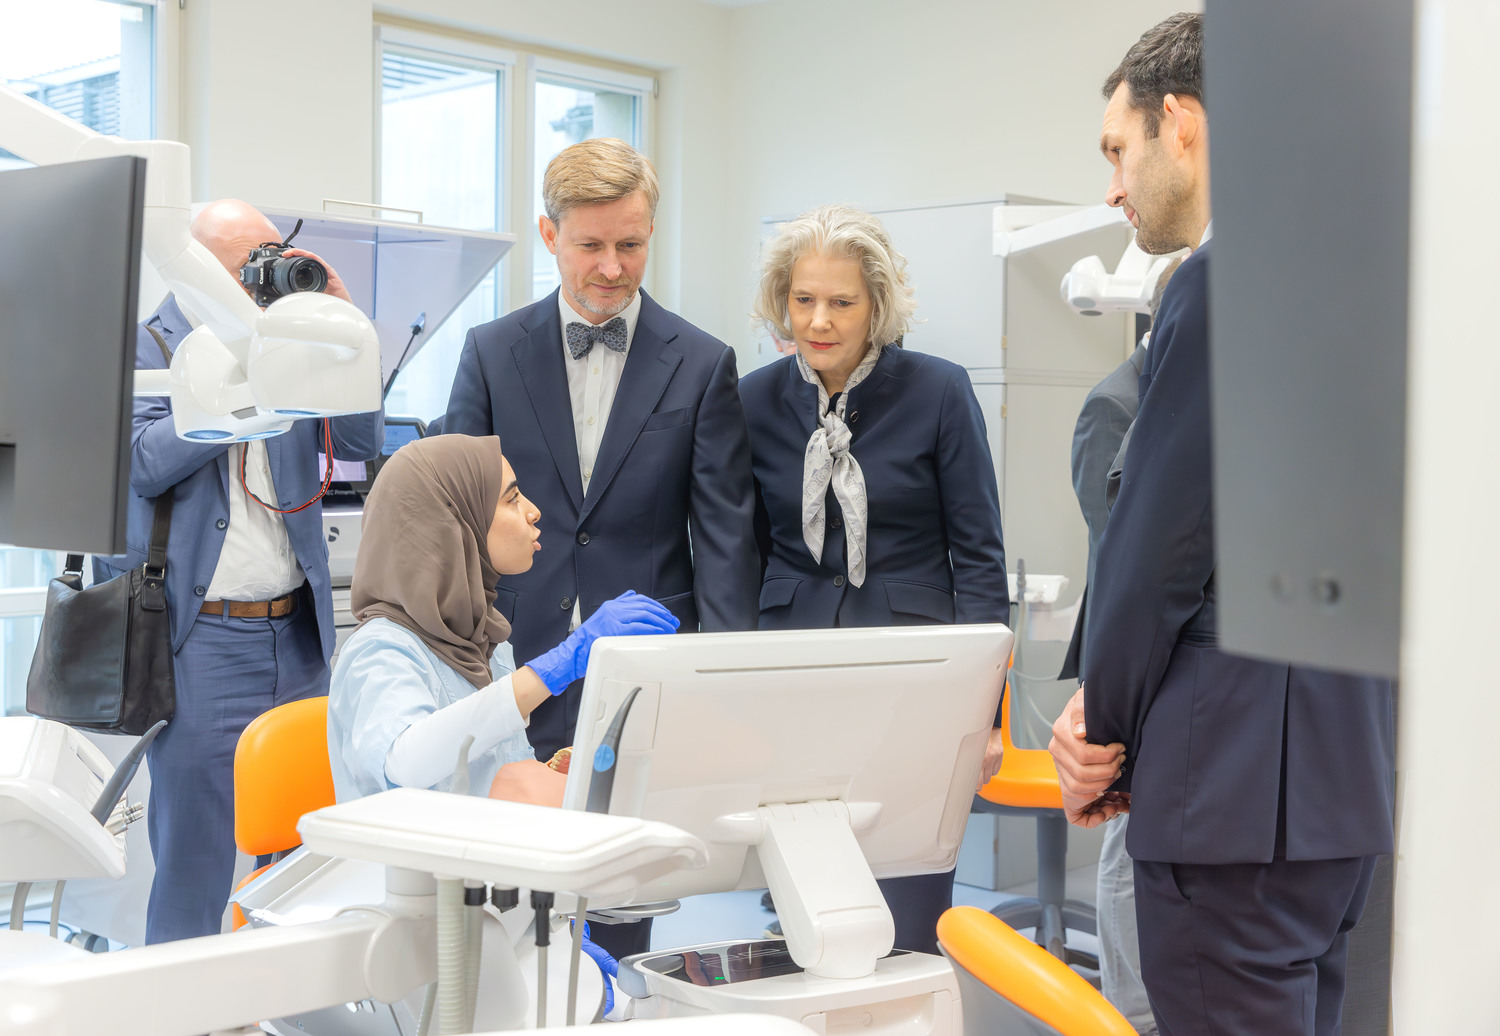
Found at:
[765, 109]
[884, 103]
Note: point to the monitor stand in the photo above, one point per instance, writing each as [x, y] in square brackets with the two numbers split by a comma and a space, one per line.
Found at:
[835, 971]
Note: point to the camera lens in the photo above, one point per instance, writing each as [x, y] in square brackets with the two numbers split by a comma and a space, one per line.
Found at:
[298, 274]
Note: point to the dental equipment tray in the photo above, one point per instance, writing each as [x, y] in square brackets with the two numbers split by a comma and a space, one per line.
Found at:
[714, 964]
[508, 843]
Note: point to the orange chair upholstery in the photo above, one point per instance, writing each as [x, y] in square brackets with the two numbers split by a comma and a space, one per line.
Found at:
[281, 771]
[1010, 986]
[1027, 786]
[1027, 777]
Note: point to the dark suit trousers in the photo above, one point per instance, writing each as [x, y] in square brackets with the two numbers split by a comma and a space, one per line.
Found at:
[1248, 949]
[916, 903]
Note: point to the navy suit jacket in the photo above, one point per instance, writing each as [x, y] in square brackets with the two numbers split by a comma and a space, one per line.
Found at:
[673, 464]
[933, 545]
[198, 475]
[1229, 760]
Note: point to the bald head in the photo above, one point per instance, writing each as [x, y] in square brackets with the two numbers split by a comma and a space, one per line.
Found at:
[230, 229]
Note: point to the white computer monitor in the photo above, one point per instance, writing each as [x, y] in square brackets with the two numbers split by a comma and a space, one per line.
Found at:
[889, 724]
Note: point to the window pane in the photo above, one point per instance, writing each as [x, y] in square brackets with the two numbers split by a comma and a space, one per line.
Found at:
[439, 152]
[89, 59]
[566, 114]
[20, 568]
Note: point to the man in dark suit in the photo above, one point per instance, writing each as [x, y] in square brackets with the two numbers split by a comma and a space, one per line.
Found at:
[623, 422]
[1099, 441]
[248, 590]
[1260, 793]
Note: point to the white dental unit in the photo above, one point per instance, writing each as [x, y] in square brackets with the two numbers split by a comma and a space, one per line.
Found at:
[719, 775]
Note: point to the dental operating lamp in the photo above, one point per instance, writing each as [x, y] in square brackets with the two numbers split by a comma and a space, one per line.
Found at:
[244, 373]
[1091, 290]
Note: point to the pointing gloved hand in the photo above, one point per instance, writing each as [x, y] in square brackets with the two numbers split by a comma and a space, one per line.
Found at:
[628, 615]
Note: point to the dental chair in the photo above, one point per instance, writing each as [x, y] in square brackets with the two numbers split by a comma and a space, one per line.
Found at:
[1027, 786]
[281, 772]
[1013, 987]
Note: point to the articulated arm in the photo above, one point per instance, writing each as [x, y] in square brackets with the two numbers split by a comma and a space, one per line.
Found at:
[245, 373]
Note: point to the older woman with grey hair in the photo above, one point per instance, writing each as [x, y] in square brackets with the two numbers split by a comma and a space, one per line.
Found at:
[876, 501]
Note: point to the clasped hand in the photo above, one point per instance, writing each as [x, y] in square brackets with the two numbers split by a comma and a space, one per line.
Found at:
[1085, 771]
[630, 614]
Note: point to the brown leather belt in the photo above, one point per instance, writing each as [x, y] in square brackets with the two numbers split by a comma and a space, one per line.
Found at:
[273, 609]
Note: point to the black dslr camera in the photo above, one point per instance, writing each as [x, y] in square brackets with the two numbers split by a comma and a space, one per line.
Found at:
[269, 275]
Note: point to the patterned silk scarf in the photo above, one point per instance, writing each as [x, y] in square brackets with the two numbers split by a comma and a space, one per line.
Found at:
[826, 461]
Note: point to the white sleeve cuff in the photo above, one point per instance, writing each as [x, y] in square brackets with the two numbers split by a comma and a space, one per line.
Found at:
[426, 752]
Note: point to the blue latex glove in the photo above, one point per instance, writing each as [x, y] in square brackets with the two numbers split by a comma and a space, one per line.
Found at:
[630, 614]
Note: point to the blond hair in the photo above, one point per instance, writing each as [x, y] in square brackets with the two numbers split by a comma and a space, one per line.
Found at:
[845, 232]
[593, 171]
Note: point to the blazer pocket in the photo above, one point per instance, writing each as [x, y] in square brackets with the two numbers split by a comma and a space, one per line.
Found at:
[930, 602]
[778, 591]
[668, 419]
[675, 599]
[505, 602]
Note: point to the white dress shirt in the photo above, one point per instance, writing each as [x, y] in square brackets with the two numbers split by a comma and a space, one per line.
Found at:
[257, 562]
[592, 383]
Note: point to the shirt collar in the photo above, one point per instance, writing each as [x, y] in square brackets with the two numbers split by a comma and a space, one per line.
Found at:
[631, 313]
[1208, 232]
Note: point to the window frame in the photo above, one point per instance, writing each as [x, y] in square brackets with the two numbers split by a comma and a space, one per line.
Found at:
[517, 132]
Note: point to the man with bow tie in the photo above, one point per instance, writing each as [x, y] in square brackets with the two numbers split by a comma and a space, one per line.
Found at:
[623, 423]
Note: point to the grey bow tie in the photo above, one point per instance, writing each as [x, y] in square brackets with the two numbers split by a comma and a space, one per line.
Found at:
[582, 337]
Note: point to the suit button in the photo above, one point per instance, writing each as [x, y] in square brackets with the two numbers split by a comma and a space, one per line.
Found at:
[221, 524]
[583, 538]
[200, 590]
[836, 522]
[838, 580]
[566, 603]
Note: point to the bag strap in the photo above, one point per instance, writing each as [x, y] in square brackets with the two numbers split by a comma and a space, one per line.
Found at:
[73, 565]
[161, 343]
[161, 524]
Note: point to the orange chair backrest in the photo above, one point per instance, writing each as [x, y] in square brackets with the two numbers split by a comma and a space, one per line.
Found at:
[1028, 776]
[281, 771]
[1025, 974]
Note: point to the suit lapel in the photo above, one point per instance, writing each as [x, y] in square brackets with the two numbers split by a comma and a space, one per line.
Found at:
[649, 367]
[539, 360]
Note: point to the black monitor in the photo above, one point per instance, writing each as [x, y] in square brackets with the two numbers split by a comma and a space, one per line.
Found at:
[70, 253]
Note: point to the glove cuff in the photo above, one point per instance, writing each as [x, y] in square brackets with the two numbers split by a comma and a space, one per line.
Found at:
[556, 668]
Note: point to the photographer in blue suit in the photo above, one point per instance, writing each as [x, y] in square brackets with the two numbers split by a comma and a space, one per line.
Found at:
[248, 591]
[1260, 793]
[623, 420]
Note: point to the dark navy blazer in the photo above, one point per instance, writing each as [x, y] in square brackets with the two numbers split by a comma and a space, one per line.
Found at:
[673, 461]
[934, 547]
[1221, 750]
[199, 475]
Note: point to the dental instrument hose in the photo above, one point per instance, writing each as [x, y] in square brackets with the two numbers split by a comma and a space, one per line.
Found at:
[452, 944]
[452, 947]
[579, 913]
[473, 948]
[541, 902]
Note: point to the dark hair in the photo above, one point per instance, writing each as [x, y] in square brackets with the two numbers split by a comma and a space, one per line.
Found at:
[1167, 59]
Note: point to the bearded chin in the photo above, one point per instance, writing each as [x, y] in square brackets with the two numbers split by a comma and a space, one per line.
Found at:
[607, 309]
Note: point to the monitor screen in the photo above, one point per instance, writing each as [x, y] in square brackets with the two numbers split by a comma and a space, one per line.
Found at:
[70, 248]
[892, 721]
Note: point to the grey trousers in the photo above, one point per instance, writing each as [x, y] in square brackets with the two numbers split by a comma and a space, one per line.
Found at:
[1119, 945]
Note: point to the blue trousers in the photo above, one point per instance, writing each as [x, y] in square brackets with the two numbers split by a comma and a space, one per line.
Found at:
[228, 672]
[1248, 949]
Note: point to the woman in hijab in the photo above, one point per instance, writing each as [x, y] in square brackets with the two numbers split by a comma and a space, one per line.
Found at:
[445, 519]
[876, 499]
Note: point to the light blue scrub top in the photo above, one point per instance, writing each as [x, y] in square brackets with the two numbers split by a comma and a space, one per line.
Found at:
[386, 679]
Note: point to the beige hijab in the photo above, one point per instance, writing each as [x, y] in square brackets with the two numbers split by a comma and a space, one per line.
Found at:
[422, 558]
